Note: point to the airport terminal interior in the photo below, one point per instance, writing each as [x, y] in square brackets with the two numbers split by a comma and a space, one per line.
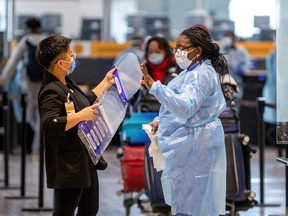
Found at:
[101, 30]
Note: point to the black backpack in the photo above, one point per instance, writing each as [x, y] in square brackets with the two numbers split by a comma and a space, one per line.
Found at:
[34, 70]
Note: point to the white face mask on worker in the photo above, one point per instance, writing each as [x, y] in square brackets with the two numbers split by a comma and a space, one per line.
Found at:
[181, 57]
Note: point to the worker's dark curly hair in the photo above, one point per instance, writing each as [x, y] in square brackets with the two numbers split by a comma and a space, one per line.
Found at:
[199, 37]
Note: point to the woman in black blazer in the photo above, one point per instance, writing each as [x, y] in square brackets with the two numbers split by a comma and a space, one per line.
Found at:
[62, 106]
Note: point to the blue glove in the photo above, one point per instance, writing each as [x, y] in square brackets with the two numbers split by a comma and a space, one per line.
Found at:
[240, 70]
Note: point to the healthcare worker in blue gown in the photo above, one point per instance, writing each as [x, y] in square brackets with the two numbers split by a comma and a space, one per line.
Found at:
[191, 136]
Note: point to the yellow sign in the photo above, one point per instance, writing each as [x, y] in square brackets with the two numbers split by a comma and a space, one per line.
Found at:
[258, 49]
[105, 49]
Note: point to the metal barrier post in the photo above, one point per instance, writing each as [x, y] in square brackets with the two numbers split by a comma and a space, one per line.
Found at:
[2, 131]
[6, 140]
[23, 144]
[261, 140]
[41, 181]
[23, 152]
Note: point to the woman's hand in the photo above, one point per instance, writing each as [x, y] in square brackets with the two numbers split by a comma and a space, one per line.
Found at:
[147, 79]
[89, 113]
[109, 78]
[154, 125]
[105, 84]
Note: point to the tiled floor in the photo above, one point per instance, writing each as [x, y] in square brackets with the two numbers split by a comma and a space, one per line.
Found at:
[112, 205]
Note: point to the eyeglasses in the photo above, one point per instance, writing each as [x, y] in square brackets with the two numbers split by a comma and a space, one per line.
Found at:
[177, 50]
[73, 55]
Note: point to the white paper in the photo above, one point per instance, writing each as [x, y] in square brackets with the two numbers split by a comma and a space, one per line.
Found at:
[154, 150]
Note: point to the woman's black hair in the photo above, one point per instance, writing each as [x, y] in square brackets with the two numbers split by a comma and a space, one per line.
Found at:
[163, 44]
[50, 48]
[199, 37]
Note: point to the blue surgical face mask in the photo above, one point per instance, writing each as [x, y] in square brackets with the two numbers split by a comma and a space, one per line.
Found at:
[156, 58]
[73, 66]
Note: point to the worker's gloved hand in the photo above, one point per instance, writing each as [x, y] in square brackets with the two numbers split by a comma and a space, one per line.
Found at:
[241, 70]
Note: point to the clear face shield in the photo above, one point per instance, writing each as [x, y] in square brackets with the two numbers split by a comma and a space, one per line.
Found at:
[96, 135]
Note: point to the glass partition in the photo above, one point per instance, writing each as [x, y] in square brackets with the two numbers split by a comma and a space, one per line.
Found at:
[282, 77]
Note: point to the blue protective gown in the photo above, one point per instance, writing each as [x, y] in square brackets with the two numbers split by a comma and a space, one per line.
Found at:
[191, 139]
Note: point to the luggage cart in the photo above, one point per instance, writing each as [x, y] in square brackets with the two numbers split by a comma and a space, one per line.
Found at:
[131, 155]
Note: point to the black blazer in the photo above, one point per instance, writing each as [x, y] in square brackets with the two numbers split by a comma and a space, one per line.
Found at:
[67, 161]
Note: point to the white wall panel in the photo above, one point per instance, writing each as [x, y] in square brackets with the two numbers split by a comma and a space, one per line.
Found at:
[72, 11]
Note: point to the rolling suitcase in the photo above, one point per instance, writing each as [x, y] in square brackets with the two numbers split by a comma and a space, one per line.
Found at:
[131, 131]
[132, 168]
[230, 120]
[239, 196]
[153, 186]
[236, 175]
[148, 103]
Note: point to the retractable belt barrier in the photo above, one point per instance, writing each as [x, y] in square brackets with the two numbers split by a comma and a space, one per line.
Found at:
[5, 100]
[260, 104]
[23, 134]
[261, 139]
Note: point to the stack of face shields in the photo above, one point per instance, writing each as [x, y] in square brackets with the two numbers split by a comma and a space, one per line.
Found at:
[96, 135]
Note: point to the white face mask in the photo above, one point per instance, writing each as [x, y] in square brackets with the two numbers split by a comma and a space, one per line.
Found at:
[156, 58]
[181, 57]
[226, 42]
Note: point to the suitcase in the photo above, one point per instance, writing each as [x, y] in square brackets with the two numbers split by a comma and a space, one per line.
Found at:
[236, 183]
[239, 196]
[132, 168]
[148, 103]
[131, 129]
[153, 186]
[230, 120]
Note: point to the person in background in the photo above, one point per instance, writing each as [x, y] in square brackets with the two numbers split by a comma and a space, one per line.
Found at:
[62, 105]
[161, 65]
[237, 57]
[136, 48]
[159, 60]
[269, 93]
[33, 36]
[190, 134]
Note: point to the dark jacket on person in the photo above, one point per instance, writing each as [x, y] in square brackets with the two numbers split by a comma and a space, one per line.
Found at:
[67, 161]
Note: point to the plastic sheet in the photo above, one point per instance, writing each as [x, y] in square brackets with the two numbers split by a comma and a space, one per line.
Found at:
[96, 135]
[154, 150]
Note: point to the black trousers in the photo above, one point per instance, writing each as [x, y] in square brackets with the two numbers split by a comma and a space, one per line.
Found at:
[86, 199]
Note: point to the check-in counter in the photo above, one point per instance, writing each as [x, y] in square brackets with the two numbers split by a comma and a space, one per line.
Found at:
[95, 58]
